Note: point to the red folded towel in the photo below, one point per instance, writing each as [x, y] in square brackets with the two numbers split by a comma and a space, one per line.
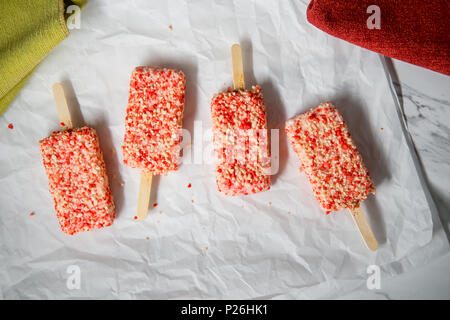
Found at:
[415, 31]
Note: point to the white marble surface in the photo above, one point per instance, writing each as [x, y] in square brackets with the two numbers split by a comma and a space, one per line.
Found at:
[426, 103]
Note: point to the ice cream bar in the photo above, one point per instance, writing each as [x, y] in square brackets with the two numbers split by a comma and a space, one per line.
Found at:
[329, 158]
[78, 180]
[154, 120]
[240, 141]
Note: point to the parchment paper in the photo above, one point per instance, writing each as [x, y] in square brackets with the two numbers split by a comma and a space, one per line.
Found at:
[197, 243]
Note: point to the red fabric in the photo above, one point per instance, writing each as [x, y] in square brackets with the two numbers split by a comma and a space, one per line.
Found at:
[415, 31]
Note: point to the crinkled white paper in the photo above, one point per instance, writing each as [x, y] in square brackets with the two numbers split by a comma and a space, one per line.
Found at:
[201, 244]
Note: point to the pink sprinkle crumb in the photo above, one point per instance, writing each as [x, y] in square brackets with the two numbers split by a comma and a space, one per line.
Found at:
[10, 126]
[155, 204]
[135, 217]
[189, 185]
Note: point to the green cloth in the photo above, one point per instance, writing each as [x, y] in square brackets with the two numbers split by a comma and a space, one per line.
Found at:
[29, 30]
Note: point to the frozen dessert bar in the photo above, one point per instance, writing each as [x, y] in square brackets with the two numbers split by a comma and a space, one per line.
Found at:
[154, 120]
[329, 158]
[78, 180]
[241, 141]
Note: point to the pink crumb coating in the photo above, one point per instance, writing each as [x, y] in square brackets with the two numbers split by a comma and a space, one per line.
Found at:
[329, 158]
[241, 142]
[154, 119]
[78, 180]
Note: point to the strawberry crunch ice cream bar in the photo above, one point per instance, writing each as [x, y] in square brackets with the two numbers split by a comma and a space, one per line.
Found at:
[154, 120]
[78, 180]
[329, 158]
[240, 141]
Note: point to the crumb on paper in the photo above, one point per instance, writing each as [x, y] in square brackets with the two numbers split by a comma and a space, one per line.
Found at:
[192, 201]
[204, 250]
[170, 28]
[269, 204]
[155, 204]
[382, 129]
[135, 217]
[189, 185]
[147, 238]
[31, 214]
[160, 211]
[10, 126]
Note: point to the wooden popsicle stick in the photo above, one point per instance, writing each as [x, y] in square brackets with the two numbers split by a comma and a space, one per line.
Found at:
[62, 106]
[238, 67]
[144, 194]
[364, 228]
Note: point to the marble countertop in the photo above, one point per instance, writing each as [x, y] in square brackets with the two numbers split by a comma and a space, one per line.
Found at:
[426, 104]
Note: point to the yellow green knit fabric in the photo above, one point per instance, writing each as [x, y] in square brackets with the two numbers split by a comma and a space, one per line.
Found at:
[29, 30]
